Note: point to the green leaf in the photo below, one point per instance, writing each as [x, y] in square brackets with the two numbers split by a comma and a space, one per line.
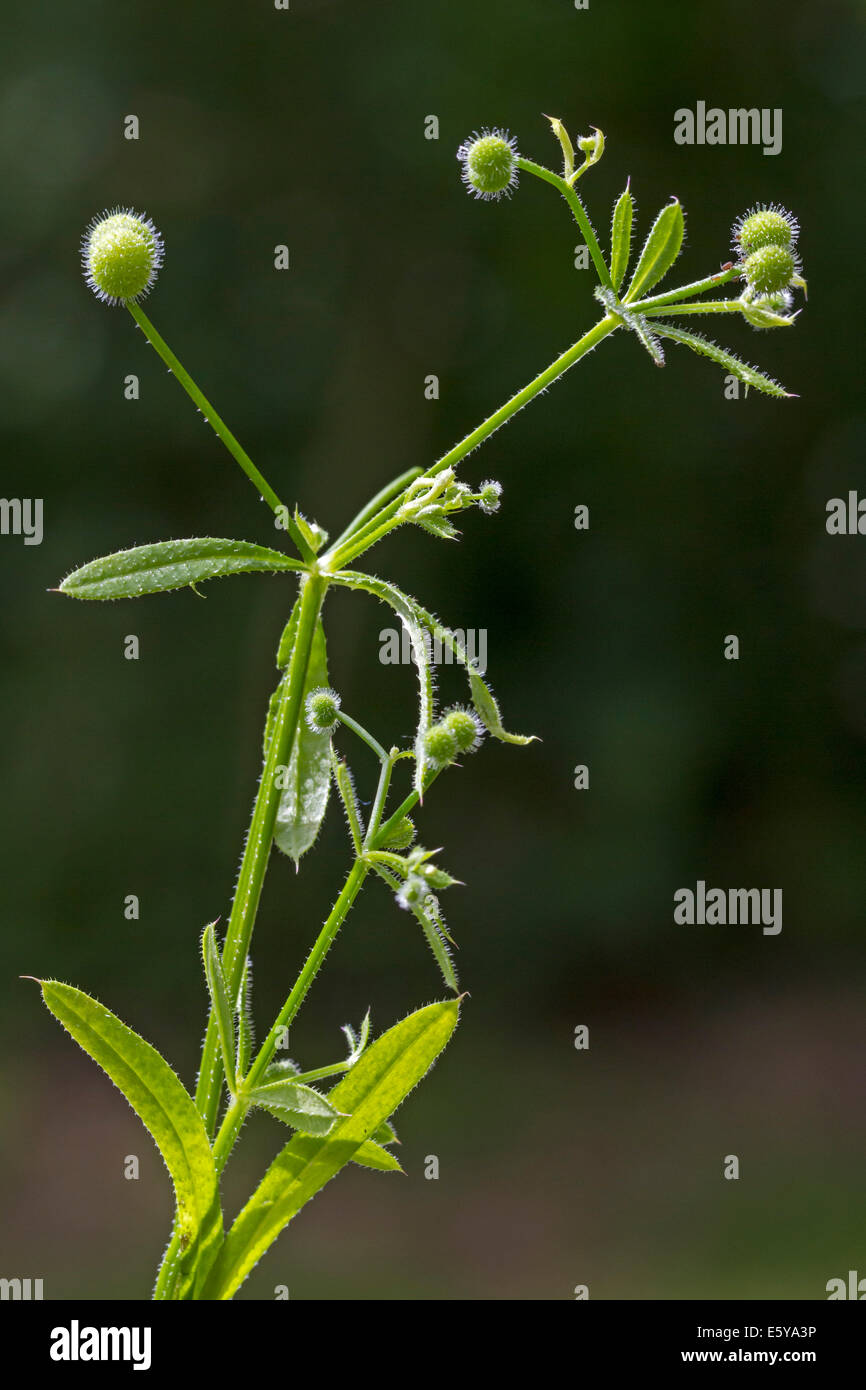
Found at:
[244, 1011]
[620, 238]
[428, 914]
[152, 569]
[389, 1069]
[385, 1134]
[299, 1106]
[304, 796]
[372, 1155]
[660, 250]
[167, 1112]
[750, 375]
[312, 532]
[289, 634]
[411, 616]
[488, 711]
[220, 1000]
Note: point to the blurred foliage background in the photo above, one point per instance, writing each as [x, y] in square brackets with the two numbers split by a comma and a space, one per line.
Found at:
[306, 127]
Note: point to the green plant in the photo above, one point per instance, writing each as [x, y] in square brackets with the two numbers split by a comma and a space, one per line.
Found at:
[305, 722]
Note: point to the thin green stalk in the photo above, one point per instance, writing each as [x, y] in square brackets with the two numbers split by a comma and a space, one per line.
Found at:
[259, 839]
[236, 1113]
[362, 733]
[577, 208]
[382, 523]
[218, 425]
[711, 282]
[710, 306]
[381, 798]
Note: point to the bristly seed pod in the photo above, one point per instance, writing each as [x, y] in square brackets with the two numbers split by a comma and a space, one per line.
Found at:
[440, 745]
[323, 707]
[121, 253]
[489, 164]
[766, 225]
[769, 269]
[465, 728]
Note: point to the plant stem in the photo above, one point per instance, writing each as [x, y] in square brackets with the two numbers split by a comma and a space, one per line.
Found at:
[362, 734]
[710, 282]
[236, 1113]
[381, 798]
[259, 839]
[379, 525]
[218, 425]
[577, 208]
[707, 306]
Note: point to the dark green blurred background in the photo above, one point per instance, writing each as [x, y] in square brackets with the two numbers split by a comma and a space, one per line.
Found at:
[261, 127]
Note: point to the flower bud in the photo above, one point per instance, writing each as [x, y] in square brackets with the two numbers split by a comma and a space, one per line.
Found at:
[440, 745]
[488, 496]
[769, 269]
[322, 710]
[489, 164]
[765, 226]
[121, 253]
[464, 727]
[401, 836]
[413, 893]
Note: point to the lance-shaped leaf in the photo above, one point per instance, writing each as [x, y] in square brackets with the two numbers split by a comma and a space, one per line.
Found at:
[299, 1106]
[750, 375]
[371, 1092]
[167, 1111]
[371, 1155]
[429, 916]
[620, 237]
[411, 616]
[307, 780]
[216, 984]
[152, 569]
[660, 250]
[244, 1012]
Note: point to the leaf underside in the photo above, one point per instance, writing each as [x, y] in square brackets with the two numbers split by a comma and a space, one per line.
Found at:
[304, 798]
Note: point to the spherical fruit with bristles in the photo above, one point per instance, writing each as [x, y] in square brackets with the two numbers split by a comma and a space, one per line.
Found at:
[765, 226]
[440, 746]
[769, 269]
[489, 163]
[121, 254]
[323, 707]
[464, 727]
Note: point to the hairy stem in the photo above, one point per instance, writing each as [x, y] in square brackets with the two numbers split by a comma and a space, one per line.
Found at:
[383, 522]
[218, 425]
[577, 208]
[710, 282]
[236, 1113]
[259, 839]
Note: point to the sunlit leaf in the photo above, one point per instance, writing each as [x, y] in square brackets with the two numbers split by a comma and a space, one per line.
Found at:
[389, 1069]
[167, 1111]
